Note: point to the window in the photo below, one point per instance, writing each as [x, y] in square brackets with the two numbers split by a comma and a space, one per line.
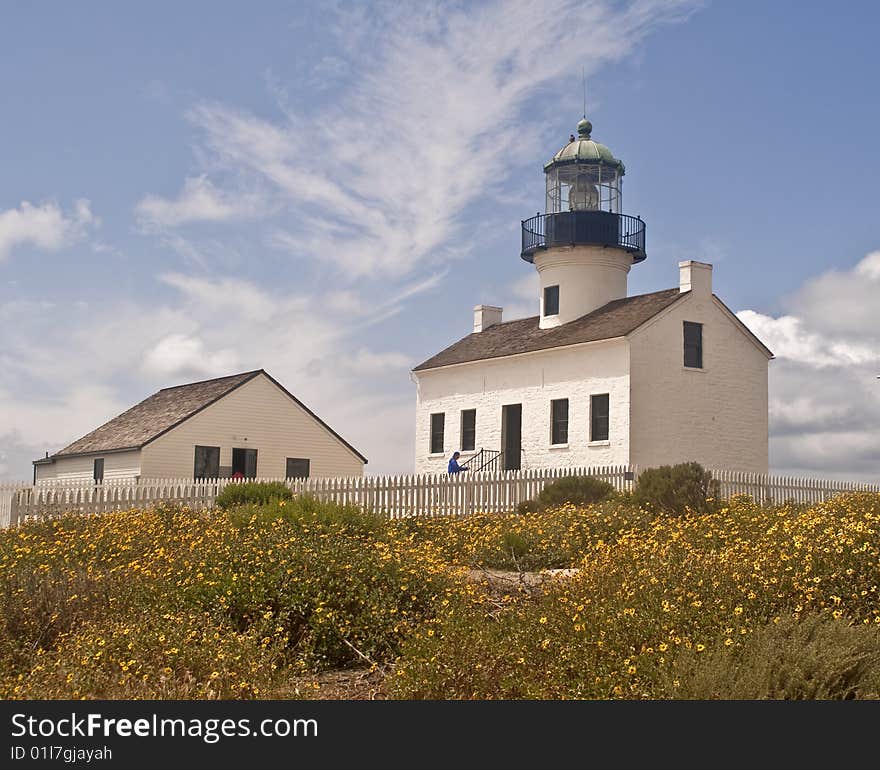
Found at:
[297, 468]
[468, 430]
[244, 461]
[98, 470]
[551, 300]
[599, 417]
[693, 345]
[437, 425]
[207, 463]
[559, 421]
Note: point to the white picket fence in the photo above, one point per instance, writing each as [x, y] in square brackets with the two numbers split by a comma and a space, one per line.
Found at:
[770, 488]
[393, 496]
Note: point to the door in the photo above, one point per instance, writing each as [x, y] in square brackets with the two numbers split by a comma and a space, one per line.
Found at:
[511, 436]
[244, 461]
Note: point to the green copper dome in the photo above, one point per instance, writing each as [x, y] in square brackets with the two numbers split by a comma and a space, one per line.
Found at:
[584, 149]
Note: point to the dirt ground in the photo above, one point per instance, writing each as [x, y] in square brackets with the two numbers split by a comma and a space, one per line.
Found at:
[349, 684]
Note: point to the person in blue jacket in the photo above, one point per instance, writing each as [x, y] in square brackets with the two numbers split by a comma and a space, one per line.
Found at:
[454, 467]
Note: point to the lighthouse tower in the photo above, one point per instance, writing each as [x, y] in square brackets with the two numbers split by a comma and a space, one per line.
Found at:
[583, 245]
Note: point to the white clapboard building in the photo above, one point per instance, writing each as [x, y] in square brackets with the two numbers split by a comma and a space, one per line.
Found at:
[598, 377]
[246, 424]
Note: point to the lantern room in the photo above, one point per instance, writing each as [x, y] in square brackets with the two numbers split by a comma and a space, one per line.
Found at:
[584, 203]
[584, 176]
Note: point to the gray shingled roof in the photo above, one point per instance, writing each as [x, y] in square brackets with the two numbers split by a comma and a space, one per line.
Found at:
[155, 415]
[615, 319]
[165, 410]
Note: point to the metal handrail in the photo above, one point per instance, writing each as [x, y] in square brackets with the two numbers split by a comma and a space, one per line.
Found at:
[600, 228]
[485, 459]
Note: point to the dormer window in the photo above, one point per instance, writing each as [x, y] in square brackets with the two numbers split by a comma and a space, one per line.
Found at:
[551, 300]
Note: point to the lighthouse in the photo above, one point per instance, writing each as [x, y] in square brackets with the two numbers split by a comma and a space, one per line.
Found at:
[599, 377]
[583, 246]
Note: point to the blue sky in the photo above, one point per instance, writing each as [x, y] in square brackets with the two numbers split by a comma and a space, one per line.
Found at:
[326, 190]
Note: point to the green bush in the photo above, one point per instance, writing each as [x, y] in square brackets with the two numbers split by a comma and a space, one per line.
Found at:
[306, 509]
[816, 657]
[514, 545]
[577, 490]
[252, 493]
[675, 489]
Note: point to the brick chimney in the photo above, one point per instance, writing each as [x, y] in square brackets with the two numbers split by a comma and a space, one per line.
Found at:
[695, 277]
[486, 316]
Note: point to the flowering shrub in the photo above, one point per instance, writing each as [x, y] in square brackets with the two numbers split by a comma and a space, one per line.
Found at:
[171, 603]
[219, 600]
[645, 594]
[556, 537]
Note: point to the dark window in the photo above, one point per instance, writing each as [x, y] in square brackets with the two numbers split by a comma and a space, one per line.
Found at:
[693, 345]
[599, 417]
[207, 464]
[551, 300]
[438, 422]
[244, 461]
[468, 429]
[98, 470]
[297, 468]
[559, 421]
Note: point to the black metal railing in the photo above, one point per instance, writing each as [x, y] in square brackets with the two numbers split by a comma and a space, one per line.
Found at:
[485, 460]
[595, 228]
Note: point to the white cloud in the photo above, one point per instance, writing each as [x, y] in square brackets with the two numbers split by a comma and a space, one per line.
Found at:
[184, 355]
[824, 398]
[431, 123]
[45, 226]
[198, 201]
[370, 363]
[788, 337]
[36, 425]
[869, 267]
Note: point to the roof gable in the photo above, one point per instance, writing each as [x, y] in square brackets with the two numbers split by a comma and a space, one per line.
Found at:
[615, 319]
[155, 415]
[168, 408]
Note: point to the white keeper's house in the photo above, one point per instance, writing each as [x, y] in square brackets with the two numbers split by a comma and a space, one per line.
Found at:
[246, 424]
[597, 377]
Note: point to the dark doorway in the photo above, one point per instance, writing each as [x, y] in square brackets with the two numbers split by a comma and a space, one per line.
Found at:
[511, 436]
[244, 461]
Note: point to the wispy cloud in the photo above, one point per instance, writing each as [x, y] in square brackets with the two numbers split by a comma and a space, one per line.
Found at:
[198, 201]
[45, 226]
[430, 124]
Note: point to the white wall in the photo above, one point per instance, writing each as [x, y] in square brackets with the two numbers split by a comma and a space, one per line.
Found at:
[588, 277]
[117, 466]
[258, 416]
[533, 380]
[717, 415]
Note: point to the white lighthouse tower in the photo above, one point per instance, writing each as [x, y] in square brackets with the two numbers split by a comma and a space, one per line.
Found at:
[582, 246]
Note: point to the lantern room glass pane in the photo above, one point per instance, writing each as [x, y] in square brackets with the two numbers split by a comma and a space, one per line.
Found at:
[583, 187]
